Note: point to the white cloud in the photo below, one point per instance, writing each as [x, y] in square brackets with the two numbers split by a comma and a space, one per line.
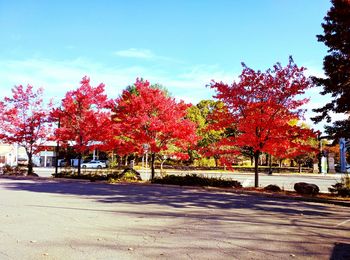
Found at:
[59, 76]
[187, 83]
[145, 54]
[135, 53]
[313, 71]
[190, 85]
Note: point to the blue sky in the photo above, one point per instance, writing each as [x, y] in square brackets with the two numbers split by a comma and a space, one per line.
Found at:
[182, 44]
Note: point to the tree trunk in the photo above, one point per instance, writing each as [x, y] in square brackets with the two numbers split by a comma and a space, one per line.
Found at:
[79, 164]
[216, 162]
[162, 162]
[120, 161]
[266, 159]
[291, 163]
[299, 166]
[191, 157]
[251, 160]
[153, 156]
[126, 160]
[113, 159]
[30, 163]
[256, 167]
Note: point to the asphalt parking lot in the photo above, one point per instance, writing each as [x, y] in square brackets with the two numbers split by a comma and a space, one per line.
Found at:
[69, 219]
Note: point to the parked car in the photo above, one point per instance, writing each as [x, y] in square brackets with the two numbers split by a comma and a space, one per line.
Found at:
[105, 161]
[94, 164]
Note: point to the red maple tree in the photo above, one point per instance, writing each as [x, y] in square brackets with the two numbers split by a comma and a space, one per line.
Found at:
[24, 120]
[85, 121]
[301, 145]
[261, 106]
[146, 115]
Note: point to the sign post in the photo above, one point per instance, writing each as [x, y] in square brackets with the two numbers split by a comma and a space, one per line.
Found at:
[344, 145]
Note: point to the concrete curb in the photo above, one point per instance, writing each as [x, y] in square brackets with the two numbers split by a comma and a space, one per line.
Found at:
[297, 197]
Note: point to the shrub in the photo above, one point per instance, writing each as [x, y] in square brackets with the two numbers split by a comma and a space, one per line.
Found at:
[273, 188]
[195, 180]
[306, 188]
[204, 162]
[14, 170]
[341, 188]
[129, 175]
[111, 176]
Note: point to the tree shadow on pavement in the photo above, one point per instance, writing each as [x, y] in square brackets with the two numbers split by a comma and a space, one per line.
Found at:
[176, 197]
[238, 223]
[341, 251]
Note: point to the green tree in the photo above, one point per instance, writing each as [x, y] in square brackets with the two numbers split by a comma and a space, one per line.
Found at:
[336, 66]
[203, 114]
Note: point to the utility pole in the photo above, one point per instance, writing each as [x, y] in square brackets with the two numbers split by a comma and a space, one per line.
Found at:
[57, 150]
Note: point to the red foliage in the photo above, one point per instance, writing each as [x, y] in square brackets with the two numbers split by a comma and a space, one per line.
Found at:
[146, 115]
[24, 120]
[261, 106]
[299, 143]
[85, 123]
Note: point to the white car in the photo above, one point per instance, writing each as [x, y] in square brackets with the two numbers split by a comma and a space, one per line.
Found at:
[94, 164]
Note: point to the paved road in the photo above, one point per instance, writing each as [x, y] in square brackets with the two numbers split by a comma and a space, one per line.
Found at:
[66, 219]
[284, 181]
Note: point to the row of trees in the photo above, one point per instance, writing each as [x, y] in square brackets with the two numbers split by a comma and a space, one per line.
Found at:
[258, 114]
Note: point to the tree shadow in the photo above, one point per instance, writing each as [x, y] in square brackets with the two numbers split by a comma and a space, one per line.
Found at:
[216, 217]
[175, 197]
[341, 251]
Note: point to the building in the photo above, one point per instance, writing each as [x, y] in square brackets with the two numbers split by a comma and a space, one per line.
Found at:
[14, 154]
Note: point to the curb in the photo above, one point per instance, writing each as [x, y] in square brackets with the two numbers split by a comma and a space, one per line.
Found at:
[297, 197]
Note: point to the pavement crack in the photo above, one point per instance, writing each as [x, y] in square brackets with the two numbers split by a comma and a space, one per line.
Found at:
[76, 249]
[235, 245]
[2, 253]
